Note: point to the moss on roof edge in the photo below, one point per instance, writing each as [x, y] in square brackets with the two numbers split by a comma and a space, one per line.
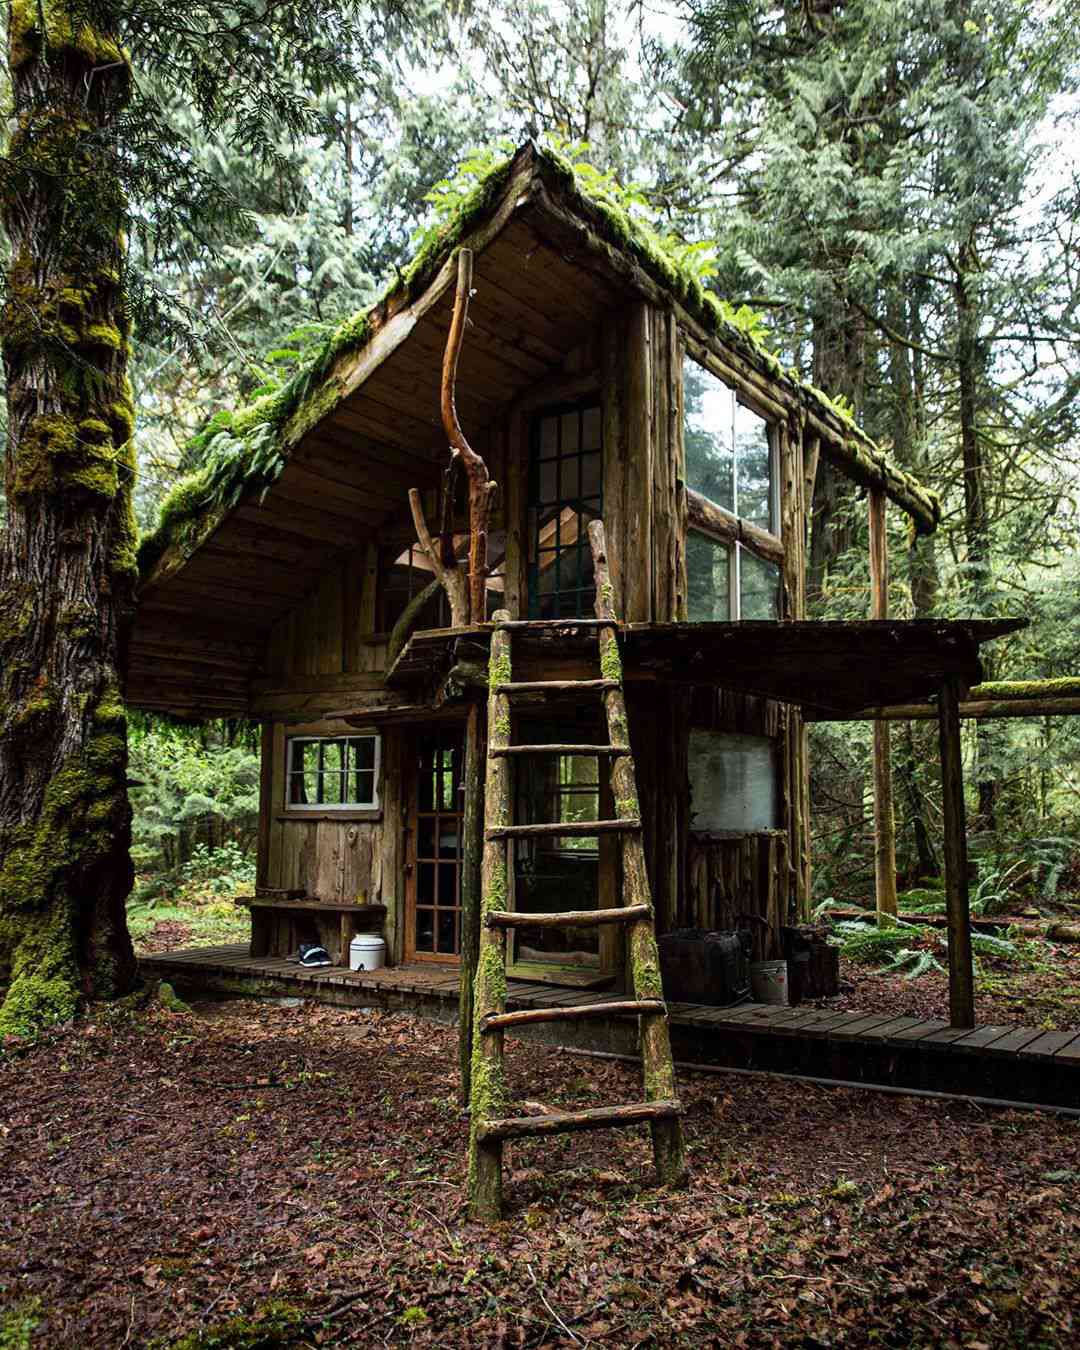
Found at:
[1062, 686]
[247, 450]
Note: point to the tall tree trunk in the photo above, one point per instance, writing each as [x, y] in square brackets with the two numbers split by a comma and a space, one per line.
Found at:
[67, 566]
[839, 368]
[969, 370]
[907, 425]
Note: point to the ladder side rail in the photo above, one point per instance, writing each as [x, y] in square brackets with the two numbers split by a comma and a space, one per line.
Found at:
[657, 1063]
[488, 1098]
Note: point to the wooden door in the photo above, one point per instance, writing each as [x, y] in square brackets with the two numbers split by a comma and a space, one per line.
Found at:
[433, 852]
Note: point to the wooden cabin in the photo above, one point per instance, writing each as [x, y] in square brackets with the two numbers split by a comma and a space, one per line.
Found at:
[598, 381]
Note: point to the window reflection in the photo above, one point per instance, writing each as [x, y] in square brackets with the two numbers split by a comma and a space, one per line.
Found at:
[565, 494]
[729, 461]
[728, 456]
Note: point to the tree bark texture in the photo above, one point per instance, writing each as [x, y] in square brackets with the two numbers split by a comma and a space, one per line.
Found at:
[67, 564]
[839, 369]
[954, 821]
[970, 368]
[884, 817]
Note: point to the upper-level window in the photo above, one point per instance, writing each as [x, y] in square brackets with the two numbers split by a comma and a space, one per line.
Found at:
[730, 462]
[728, 450]
[333, 773]
[565, 494]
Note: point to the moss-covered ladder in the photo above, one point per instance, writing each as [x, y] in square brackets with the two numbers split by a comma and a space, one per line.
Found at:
[492, 1123]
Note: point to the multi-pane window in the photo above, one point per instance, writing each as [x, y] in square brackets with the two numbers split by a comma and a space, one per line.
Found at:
[333, 772]
[437, 911]
[729, 461]
[708, 579]
[405, 574]
[565, 494]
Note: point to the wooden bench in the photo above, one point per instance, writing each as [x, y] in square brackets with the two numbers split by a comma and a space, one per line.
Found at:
[280, 924]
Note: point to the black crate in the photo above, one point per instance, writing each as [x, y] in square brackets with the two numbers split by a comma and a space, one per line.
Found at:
[703, 967]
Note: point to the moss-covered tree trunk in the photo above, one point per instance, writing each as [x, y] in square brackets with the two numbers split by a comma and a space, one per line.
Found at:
[67, 565]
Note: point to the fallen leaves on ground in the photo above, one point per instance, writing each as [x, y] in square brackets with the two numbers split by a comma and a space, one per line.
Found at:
[163, 1174]
[1039, 988]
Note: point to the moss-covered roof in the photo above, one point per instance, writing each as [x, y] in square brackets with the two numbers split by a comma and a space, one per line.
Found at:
[243, 452]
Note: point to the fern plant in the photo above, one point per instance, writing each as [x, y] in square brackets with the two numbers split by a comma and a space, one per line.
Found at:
[913, 962]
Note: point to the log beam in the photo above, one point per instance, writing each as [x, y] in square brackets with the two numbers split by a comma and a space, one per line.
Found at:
[713, 520]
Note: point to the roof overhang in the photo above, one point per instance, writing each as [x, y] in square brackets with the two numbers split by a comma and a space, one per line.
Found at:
[828, 667]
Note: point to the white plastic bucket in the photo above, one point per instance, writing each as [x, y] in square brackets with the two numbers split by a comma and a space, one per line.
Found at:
[768, 982]
[367, 951]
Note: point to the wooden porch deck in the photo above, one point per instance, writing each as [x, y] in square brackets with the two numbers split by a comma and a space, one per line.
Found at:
[1019, 1064]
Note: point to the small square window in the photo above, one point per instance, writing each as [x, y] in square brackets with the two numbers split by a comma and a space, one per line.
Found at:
[332, 773]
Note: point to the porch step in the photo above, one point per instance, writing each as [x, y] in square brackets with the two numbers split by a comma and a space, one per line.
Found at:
[554, 686]
[621, 825]
[565, 1122]
[554, 749]
[567, 918]
[637, 1007]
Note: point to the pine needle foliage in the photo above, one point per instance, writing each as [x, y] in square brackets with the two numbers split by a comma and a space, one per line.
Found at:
[248, 73]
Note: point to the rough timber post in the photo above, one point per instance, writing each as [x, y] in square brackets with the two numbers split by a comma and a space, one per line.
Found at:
[488, 1095]
[789, 454]
[472, 843]
[657, 1064]
[884, 819]
[961, 979]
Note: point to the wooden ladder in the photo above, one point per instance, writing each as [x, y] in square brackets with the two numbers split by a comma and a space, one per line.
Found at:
[491, 1122]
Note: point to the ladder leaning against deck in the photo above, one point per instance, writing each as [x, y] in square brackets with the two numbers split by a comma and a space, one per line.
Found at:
[490, 1122]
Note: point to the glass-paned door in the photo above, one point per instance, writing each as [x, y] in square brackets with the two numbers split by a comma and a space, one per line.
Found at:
[557, 872]
[566, 467]
[433, 920]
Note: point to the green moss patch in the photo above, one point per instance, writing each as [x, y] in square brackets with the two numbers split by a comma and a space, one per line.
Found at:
[61, 28]
[273, 1326]
[1065, 687]
[18, 1324]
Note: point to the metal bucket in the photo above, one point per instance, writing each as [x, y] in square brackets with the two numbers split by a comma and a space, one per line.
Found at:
[768, 981]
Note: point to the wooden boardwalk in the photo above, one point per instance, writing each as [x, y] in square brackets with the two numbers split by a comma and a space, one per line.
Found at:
[1020, 1064]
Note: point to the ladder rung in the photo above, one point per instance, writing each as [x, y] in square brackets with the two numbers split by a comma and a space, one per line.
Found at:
[636, 1007]
[554, 686]
[568, 918]
[564, 1122]
[537, 625]
[561, 827]
[561, 750]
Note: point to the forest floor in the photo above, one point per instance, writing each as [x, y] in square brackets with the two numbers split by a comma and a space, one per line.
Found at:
[261, 1175]
[1039, 988]
[167, 928]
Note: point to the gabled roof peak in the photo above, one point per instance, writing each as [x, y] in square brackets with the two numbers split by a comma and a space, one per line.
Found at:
[243, 452]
